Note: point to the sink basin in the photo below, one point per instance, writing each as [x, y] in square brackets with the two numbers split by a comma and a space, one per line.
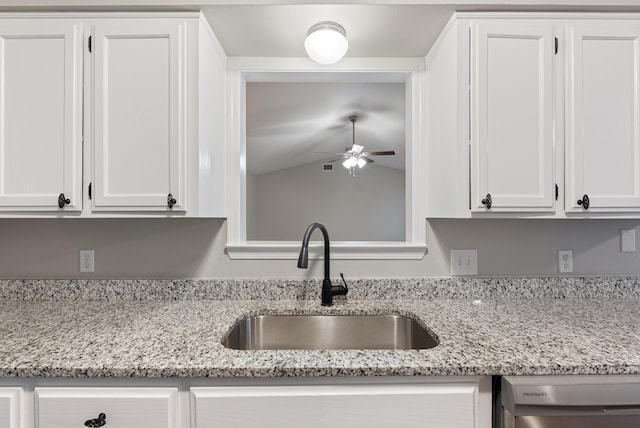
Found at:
[328, 332]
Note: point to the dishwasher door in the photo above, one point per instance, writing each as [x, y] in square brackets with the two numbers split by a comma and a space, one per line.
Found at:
[570, 401]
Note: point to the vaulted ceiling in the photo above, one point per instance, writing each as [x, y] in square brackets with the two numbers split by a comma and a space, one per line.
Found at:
[291, 124]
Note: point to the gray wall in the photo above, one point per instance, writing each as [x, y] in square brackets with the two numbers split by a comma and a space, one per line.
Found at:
[366, 207]
[190, 248]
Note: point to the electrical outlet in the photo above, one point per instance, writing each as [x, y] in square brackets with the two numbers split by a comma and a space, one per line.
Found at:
[628, 241]
[464, 262]
[87, 261]
[565, 261]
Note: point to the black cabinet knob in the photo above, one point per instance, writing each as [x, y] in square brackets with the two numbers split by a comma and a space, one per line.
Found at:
[487, 201]
[584, 202]
[62, 200]
[100, 421]
[171, 201]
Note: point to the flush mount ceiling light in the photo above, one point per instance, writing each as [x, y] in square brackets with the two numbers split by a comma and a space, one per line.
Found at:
[326, 42]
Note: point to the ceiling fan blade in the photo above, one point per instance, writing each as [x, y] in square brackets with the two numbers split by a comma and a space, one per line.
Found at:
[332, 153]
[366, 159]
[334, 160]
[385, 153]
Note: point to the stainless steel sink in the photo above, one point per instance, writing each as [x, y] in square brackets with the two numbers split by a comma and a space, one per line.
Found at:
[328, 332]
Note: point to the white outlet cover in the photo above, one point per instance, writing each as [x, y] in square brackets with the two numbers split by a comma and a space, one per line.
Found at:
[464, 262]
[87, 261]
[565, 261]
[628, 241]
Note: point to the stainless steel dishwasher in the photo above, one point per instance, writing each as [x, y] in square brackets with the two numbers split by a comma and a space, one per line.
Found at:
[568, 402]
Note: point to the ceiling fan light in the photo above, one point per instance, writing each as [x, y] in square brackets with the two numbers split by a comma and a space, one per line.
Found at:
[357, 148]
[350, 162]
[326, 42]
[361, 162]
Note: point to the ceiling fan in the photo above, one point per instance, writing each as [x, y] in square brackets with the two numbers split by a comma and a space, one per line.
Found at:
[354, 155]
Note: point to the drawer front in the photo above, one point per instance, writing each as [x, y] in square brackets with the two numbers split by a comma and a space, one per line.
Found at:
[10, 407]
[121, 407]
[336, 406]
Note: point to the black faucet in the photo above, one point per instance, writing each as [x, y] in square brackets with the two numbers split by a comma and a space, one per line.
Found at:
[328, 290]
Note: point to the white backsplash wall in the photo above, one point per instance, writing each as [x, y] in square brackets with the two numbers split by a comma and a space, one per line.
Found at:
[194, 248]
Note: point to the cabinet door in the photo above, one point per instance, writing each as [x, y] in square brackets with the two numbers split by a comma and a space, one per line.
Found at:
[139, 115]
[512, 116]
[602, 116]
[121, 407]
[10, 407]
[40, 115]
[336, 406]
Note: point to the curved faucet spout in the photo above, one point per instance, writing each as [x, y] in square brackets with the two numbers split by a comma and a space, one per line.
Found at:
[328, 291]
[303, 259]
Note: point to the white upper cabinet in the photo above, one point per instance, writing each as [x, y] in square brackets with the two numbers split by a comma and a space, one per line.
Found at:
[112, 114]
[547, 108]
[40, 115]
[602, 116]
[512, 116]
[139, 120]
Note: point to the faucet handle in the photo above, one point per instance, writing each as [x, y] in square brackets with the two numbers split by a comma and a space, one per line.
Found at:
[346, 289]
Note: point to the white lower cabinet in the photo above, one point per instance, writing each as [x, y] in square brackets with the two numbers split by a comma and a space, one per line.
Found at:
[110, 407]
[301, 402]
[10, 407]
[437, 405]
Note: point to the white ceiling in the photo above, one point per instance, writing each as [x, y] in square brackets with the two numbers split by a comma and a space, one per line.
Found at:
[401, 28]
[289, 123]
[372, 30]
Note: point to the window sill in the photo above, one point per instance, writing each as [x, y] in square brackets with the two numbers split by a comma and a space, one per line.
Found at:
[342, 250]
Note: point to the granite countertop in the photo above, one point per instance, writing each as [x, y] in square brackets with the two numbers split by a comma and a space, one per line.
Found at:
[182, 337]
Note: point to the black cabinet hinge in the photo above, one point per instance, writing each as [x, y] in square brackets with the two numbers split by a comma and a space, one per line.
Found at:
[557, 191]
[90, 44]
[90, 190]
[556, 45]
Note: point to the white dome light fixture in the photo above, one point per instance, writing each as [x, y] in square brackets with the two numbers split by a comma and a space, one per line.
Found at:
[326, 42]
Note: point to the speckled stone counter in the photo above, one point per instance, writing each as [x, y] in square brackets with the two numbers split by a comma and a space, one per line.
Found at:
[181, 337]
